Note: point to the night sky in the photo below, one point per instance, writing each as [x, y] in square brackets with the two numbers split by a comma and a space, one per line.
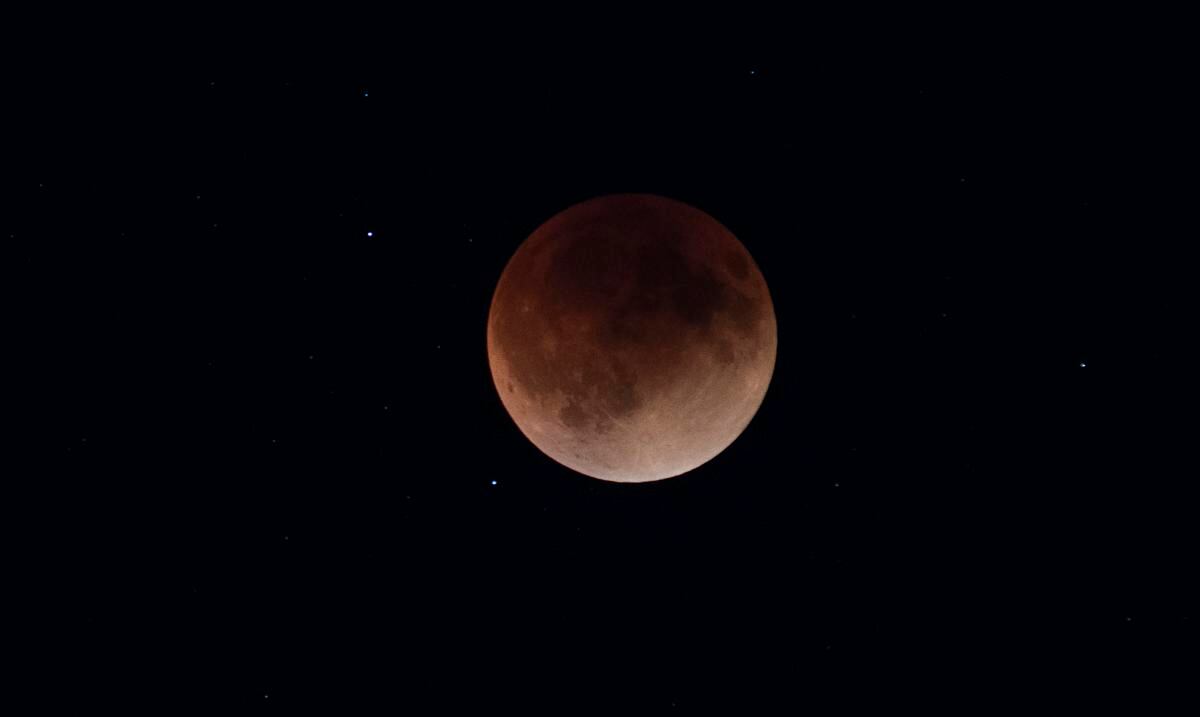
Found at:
[272, 471]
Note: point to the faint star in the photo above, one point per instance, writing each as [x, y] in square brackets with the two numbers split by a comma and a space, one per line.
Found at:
[1083, 364]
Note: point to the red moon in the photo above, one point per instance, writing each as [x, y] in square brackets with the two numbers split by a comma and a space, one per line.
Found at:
[631, 338]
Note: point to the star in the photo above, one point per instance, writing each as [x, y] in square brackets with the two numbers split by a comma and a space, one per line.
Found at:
[1083, 364]
[493, 482]
[370, 234]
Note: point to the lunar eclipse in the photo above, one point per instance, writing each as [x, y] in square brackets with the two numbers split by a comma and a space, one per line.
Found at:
[631, 338]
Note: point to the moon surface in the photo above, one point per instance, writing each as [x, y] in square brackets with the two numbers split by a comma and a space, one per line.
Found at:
[631, 338]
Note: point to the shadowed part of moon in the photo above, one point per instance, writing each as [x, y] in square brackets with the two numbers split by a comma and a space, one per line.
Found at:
[631, 338]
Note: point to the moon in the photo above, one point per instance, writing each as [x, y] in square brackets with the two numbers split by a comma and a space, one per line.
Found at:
[631, 338]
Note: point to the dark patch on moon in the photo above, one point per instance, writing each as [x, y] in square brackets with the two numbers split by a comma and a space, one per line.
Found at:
[621, 399]
[573, 416]
[744, 312]
[699, 300]
[724, 352]
[738, 265]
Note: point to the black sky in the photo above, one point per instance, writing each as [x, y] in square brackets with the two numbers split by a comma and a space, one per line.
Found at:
[271, 470]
